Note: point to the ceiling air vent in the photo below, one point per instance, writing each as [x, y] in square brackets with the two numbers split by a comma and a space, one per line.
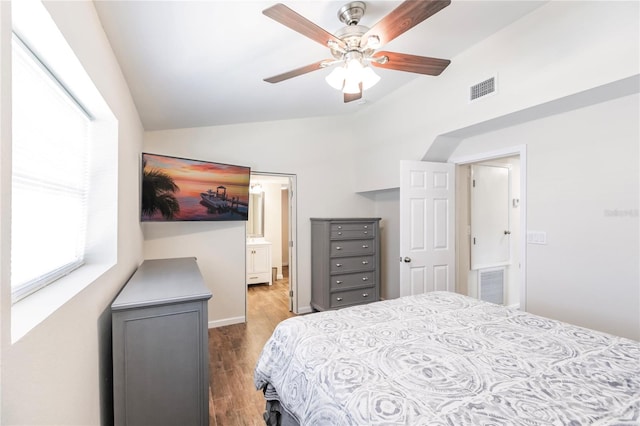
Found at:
[483, 88]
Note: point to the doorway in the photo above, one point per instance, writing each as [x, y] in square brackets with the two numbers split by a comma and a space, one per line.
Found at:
[505, 275]
[271, 241]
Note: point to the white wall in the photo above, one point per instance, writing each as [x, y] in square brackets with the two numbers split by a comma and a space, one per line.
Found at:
[583, 191]
[219, 248]
[60, 372]
[560, 49]
[387, 207]
[306, 148]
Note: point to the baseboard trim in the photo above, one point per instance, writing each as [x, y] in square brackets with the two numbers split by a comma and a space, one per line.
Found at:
[305, 310]
[226, 321]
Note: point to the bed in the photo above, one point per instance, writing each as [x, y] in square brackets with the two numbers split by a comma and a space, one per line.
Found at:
[445, 359]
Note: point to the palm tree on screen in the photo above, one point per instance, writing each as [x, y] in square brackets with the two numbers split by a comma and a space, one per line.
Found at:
[158, 190]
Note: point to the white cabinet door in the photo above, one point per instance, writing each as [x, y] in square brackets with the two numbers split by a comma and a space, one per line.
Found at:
[261, 259]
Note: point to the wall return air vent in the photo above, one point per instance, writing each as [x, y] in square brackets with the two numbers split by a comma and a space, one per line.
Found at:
[491, 285]
[483, 88]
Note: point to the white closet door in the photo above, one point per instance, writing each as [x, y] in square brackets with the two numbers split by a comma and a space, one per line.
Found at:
[427, 227]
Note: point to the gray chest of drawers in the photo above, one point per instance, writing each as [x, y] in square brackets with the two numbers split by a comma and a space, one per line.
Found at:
[160, 346]
[345, 262]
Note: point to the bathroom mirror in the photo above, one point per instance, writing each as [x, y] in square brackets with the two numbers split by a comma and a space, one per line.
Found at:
[255, 224]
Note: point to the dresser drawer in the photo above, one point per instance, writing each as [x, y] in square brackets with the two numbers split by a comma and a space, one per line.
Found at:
[352, 247]
[255, 278]
[346, 281]
[342, 265]
[352, 230]
[353, 297]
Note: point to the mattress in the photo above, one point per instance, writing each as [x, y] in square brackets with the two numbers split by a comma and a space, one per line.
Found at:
[445, 359]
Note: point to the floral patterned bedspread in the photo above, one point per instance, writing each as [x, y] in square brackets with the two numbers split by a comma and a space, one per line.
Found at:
[445, 359]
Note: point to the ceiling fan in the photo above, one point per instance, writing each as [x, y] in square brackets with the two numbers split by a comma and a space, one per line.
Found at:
[354, 47]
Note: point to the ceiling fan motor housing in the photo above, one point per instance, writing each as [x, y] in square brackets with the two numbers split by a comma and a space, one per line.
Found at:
[351, 13]
[351, 36]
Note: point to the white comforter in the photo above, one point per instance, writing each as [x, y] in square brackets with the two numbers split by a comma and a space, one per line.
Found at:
[446, 359]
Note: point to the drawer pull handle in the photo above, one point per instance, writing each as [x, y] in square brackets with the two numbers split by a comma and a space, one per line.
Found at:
[365, 294]
[365, 262]
[338, 282]
[338, 265]
[339, 233]
[365, 278]
[339, 227]
[365, 246]
[365, 227]
[366, 232]
[338, 248]
[339, 299]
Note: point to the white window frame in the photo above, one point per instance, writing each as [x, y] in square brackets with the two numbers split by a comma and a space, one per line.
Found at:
[31, 20]
[24, 289]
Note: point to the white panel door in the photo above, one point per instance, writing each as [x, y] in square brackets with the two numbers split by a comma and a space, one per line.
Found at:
[427, 227]
[490, 232]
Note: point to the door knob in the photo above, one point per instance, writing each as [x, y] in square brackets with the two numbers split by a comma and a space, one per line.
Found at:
[406, 259]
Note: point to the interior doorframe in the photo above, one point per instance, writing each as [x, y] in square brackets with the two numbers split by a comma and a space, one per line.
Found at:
[520, 150]
[293, 237]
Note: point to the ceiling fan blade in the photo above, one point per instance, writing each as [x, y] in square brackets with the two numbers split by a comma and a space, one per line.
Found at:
[349, 97]
[289, 18]
[411, 63]
[296, 72]
[406, 16]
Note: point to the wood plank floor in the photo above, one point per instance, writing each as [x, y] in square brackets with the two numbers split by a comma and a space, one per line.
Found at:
[234, 351]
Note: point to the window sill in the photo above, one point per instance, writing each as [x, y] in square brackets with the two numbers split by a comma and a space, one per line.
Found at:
[27, 313]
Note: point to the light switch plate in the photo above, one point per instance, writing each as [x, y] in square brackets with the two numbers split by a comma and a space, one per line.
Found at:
[536, 237]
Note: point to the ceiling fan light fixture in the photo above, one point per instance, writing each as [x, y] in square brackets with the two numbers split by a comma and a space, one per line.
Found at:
[335, 79]
[347, 78]
[373, 42]
[369, 78]
[353, 70]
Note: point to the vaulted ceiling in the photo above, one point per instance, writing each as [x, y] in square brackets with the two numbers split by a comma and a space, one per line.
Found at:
[202, 63]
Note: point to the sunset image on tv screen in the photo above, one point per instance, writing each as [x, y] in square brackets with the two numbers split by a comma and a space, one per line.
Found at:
[179, 189]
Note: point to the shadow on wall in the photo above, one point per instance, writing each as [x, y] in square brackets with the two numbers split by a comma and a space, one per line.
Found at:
[160, 230]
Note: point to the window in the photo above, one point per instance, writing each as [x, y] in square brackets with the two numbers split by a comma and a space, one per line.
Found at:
[64, 159]
[50, 175]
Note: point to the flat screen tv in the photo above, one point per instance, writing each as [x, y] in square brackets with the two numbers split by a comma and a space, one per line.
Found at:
[180, 189]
